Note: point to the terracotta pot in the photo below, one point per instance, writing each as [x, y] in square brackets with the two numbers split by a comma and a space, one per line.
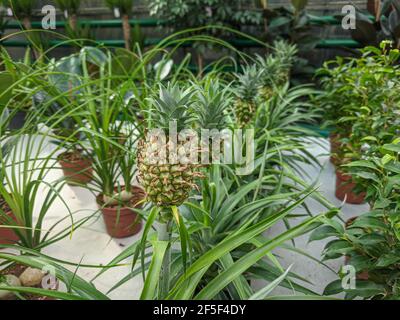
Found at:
[345, 187]
[335, 147]
[76, 171]
[122, 222]
[7, 235]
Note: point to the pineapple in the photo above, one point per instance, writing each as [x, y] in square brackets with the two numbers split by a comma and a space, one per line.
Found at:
[246, 91]
[268, 69]
[166, 168]
[286, 55]
[275, 68]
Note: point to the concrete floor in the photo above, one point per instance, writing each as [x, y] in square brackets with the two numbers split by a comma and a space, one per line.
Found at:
[90, 244]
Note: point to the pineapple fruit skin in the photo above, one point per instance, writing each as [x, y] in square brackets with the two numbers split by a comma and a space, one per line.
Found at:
[245, 111]
[166, 184]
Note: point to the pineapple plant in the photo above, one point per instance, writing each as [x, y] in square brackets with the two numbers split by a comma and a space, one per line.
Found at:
[246, 92]
[166, 170]
[275, 68]
[213, 99]
[268, 69]
[286, 54]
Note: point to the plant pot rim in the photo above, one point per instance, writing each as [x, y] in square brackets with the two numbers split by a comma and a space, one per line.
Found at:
[60, 157]
[112, 209]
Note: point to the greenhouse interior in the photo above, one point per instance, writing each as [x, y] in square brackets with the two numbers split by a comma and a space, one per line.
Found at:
[200, 150]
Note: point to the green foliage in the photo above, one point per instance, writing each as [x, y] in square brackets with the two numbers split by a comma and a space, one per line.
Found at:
[20, 8]
[194, 13]
[217, 234]
[372, 241]
[361, 100]
[124, 6]
[71, 6]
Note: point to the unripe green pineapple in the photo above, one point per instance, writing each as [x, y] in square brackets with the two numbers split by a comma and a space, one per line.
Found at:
[269, 69]
[286, 55]
[167, 167]
[247, 91]
[275, 69]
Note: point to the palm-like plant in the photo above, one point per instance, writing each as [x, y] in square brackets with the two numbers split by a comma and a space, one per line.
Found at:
[246, 91]
[24, 170]
[71, 8]
[125, 9]
[23, 10]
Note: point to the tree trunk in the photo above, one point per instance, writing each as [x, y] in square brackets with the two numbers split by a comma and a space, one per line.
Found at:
[374, 7]
[200, 62]
[127, 31]
[73, 21]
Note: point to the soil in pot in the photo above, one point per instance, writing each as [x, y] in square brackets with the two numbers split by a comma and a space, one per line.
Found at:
[345, 189]
[7, 235]
[17, 270]
[77, 168]
[121, 220]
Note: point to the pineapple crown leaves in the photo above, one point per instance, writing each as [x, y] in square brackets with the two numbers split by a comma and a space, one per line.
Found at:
[173, 104]
[268, 68]
[71, 6]
[20, 8]
[212, 101]
[247, 83]
[281, 61]
[285, 52]
[124, 6]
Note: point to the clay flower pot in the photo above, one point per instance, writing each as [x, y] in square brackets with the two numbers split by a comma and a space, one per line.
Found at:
[7, 235]
[76, 168]
[122, 222]
[335, 147]
[345, 187]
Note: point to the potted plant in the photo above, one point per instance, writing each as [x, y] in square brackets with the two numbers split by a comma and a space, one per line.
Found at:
[109, 126]
[23, 173]
[369, 81]
[370, 243]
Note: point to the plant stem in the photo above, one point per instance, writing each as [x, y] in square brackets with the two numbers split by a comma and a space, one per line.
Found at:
[164, 234]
